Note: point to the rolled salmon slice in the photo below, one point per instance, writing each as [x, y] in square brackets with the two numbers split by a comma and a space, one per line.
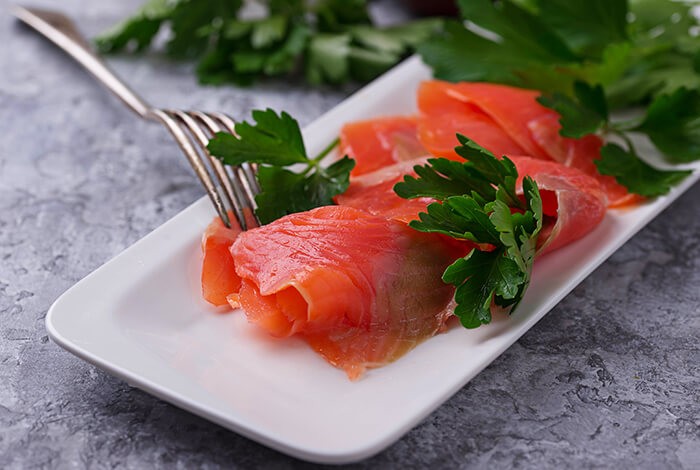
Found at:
[574, 203]
[361, 290]
[580, 154]
[523, 120]
[574, 197]
[219, 277]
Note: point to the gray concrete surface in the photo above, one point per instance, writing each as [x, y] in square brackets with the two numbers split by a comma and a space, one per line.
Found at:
[610, 378]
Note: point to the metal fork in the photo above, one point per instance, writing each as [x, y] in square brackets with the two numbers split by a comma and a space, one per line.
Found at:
[192, 130]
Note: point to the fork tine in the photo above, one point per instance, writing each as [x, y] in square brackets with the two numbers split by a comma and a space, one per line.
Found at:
[227, 187]
[241, 179]
[248, 169]
[198, 166]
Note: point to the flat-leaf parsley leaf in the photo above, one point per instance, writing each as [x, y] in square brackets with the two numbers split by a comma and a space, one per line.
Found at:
[275, 142]
[478, 202]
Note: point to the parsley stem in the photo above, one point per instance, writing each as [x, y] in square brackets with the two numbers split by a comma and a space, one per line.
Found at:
[311, 167]
[327, 150]
[628, 141]
[627, 125]
[622, 135]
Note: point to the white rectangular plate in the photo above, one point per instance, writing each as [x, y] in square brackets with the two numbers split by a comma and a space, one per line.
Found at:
[141, 318]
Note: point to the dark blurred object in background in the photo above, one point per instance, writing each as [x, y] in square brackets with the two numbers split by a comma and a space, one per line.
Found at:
[433, 7]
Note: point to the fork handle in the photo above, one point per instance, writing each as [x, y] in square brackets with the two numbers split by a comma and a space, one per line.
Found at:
[61, 31]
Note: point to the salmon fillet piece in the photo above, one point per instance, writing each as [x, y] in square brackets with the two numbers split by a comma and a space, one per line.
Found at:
[374, 193]
[376, 143]
[361, 290]
[219, 277]
[521, 118]
[573, 202]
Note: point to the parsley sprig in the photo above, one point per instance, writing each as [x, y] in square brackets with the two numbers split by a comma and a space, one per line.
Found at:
[671, 122]
[275, 142]
[331, 41]
[590, 59]
[479, 203]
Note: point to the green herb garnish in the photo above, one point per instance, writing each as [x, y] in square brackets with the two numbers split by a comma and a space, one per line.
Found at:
[671, 122]
[590, 59]
[478, 202]
[584, 113]
[635, 174]
[275, 142]
[331, 41]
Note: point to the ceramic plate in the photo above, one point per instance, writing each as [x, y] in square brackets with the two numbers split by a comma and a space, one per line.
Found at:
[141, 318]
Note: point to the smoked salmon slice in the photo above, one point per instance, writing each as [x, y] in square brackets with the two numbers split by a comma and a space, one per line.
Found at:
[361, 290]
[374, 193]
[511, 109]
[345, 280]
[438, 133]
[376, 143]
[219, 277]
[521, 118]
[573, 202]
[580, 154]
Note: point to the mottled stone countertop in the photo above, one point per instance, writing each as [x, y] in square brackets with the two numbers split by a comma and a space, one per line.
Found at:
[609, 378]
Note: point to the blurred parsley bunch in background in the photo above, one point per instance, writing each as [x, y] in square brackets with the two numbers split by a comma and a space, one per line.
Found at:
[330, 41]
